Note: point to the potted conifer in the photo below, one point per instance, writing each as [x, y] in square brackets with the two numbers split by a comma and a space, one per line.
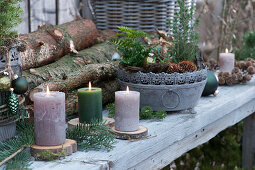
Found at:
[173, 82]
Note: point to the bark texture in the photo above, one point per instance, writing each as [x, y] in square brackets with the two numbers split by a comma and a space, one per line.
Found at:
[50, 43]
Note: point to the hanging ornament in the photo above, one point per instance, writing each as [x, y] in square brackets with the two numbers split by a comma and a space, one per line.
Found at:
[5, 83]
[211, 84]
[20, 85]
[13, 103]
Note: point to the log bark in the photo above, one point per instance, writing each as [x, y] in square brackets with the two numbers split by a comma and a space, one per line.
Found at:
[72, 68]
[50, 43]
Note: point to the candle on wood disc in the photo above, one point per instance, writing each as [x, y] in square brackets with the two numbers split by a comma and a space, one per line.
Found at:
[227, 61]
[90, 104]
[127, 105]
[49, 118]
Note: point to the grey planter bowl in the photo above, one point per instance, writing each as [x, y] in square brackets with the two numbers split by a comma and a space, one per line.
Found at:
[169, 92]
[7, 129]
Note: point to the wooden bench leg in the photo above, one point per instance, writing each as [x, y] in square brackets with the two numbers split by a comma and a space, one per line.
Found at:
[248, 146]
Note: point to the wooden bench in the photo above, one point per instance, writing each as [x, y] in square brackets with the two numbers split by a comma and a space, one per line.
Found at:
[175, 135]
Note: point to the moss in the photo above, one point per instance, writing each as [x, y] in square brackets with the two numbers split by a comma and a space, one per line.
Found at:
[49, 155]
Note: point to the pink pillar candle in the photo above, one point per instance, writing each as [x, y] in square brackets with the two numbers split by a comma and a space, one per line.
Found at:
[127, 105]
[49, 118]
[227, 62]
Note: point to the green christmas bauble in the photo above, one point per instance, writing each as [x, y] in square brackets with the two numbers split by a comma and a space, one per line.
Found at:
[20, 85]
[211, 84]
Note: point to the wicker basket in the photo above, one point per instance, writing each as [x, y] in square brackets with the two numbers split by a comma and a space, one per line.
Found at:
[146, 15]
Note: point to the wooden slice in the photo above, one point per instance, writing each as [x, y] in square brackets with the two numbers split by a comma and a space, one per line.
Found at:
[74, 122]
[140, 133]
[70, 146]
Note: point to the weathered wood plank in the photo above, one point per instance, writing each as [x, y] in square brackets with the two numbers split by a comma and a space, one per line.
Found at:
[86, 10]
[176, 134]
[248, 146]
[23, 28]
[68, 10]
[42, 12]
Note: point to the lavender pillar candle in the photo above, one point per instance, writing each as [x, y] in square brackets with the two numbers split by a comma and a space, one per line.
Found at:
[227, 61]
[127, 110]
[49, 118]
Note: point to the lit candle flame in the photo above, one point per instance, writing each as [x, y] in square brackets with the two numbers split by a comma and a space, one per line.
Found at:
[89, 86]
[127, 89]
[48, 91]
[226, 50]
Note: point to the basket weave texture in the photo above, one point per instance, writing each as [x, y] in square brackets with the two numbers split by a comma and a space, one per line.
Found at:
[146, 15]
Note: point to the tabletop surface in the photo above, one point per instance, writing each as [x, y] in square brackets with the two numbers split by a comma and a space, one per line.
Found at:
[170, 138]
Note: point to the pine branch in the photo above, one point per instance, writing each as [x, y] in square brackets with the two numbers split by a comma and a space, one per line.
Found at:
[97, 135]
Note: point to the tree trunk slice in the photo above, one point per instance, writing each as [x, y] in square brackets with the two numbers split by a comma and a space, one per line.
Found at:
[74, 122]
[140, 133]
[70, 146]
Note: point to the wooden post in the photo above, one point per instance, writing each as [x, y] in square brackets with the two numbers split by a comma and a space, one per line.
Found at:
[248, 148]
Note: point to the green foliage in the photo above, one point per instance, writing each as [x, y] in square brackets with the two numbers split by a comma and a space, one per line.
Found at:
[145, 113]
[224, 149]
[131, 47]
[96, 135]
[49, 155]
[185, 43]
[161, 114]
[21, 161]
[10, 17]
[111, 108]
[248, 48]
[24, 139]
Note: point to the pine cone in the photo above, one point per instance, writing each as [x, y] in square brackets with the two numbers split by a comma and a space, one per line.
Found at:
[221, 80]
[251, 70]
[22, 47]
[3, 51]
[172, 68]
[226, 74]
[242, 65]
[239, 76]
[248, 64]
[235, 70]
[229, 81]
[186, 66]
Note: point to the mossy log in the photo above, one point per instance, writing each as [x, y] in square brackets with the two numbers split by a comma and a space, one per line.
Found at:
[73, 71]
[50, 43]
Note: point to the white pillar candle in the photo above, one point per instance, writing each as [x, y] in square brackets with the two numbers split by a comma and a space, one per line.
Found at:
[127, 105]
[227, 62]
[49, 118]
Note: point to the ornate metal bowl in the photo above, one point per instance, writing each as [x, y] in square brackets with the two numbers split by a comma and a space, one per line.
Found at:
[169, 92]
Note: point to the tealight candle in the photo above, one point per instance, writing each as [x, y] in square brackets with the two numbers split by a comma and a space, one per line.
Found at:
[49, 118]
[127, 110]
[89, 104]
[227, 61]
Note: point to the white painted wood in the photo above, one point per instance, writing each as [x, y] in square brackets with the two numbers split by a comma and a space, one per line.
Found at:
[42, 12]
[248, 147]
[23, 28]
[68, 10]
[174, 136]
